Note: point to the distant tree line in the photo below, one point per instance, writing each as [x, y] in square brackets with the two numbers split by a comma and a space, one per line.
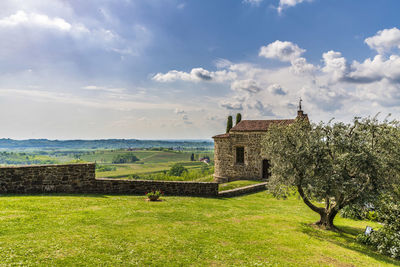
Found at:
[15, 158]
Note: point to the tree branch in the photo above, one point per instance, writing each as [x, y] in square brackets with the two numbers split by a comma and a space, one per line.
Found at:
[308, 202]
[328, 141]
[327, 203]
[351, 130]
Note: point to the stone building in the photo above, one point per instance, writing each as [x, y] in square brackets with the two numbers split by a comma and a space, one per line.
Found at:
[238, 154]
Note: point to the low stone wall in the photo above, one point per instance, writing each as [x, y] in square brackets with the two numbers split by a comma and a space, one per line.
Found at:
[176, 188]
[80, 178]
[68, 178]
[243, 190]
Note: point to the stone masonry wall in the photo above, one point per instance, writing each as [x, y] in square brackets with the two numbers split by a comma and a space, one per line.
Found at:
[244, 190]
[176, 188]
[69, 178]
[226, 168]
[80, 178]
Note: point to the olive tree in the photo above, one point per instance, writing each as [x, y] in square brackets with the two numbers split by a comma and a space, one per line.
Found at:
[336, 164]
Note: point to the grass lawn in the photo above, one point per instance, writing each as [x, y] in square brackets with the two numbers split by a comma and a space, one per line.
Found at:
[236, 184]
[253, 230]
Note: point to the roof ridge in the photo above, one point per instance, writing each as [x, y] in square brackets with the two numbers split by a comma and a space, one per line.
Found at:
[258, 125]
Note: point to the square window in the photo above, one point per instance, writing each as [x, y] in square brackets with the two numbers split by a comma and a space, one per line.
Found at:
[240, 154]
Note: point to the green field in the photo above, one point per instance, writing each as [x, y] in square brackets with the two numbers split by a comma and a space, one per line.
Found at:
[150, 162]
[124, 170]
[253, 230]
[106, 156]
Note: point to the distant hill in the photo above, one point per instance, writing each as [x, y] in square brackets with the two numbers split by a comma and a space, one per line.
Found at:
[46, 144]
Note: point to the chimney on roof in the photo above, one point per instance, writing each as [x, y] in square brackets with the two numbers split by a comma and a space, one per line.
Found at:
[300, 113]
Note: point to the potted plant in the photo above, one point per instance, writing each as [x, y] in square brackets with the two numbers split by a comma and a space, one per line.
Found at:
[154, 195]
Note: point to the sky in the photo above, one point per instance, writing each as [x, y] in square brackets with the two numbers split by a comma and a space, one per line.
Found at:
[175, 69]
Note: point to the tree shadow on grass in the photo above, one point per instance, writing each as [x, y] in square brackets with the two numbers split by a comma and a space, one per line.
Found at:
[346, 238]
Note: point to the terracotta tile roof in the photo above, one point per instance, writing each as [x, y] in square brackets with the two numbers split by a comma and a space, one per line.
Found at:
[221, 135]
[258, 125]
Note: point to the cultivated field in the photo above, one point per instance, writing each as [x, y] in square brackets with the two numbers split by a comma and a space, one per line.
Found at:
[253, 230]
[150, 162]
[150, 165]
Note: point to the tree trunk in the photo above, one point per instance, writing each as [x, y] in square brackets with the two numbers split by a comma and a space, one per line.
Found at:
[327, 214]
[326, 220]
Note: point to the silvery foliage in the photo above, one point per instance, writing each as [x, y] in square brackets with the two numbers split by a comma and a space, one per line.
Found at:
[336, 163]
[387, 239]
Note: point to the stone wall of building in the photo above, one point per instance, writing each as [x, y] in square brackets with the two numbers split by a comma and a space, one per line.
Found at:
[226, 168]
[80, 178]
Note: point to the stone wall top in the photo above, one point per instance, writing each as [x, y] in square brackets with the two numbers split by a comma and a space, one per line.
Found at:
[47, 165]
[155, 181]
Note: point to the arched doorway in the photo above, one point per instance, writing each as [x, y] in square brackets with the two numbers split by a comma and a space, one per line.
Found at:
[265, 169]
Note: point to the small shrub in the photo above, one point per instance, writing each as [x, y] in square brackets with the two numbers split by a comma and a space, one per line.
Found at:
[371, 216]
[387, 239]
[355, 212]
[105, 168]
[359, 212]
[134, 176]
[177, 170]
[205, 168]
[154, 195]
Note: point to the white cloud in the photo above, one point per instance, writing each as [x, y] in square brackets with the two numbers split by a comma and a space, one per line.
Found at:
[264, 110]
[335, 64]
[120, 102]
[326, 98]
[276, 89]
[249, 86]
[382, 94]
[179, 111]
[89, 36]
[252, 2]
[384, 40]
[195, 75]
[234, 104]
[289, 3]
[222, 63]
[102, 88]
[376, 69]
[329, 90]
[369, 71]
[183, 115]
[300, 66]
[21, 18]
[284, 51]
